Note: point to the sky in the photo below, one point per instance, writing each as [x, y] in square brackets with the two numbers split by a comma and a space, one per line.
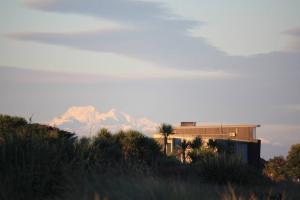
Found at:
[167, 60]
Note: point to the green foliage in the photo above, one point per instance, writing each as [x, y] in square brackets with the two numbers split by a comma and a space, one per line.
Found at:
[34, 159]
[212, 143]
[293, 162]
[7, 122]
[37, 160]
[279, 169]
[196, 143]
[42, 162]
[166, 130]
[105, 152]
[138, 148]
[202, 154]
[224, 169]
[216, 163]
[129, 187]
[222, 146]
[169, 161]
[184, 145]
[275, 169]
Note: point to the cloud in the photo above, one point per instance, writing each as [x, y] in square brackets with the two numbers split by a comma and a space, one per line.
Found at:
[115, 9]
[29, 76]
[295, 42]
[264, 141]
[9, 75]
[277, 138]
[293, 32]
[293, 107]
[268, 142]
[155, 36]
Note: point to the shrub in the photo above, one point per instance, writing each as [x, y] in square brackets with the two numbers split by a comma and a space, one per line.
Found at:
[139, 149]
[223, 169]
[275, 169]
[34, 159]
[293, 162]
[202, 154]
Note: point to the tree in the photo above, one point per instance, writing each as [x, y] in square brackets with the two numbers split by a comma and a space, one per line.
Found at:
[225, 147]
[196, 143]
[212, 144]
[105, 152]
[137, 148]
[229, 148]
[184, 145]
[202, 155]
[104, 133]
[165, 130]
[293, 162]
[275, 169]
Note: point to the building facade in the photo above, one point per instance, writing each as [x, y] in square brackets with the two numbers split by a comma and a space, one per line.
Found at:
[242, 136]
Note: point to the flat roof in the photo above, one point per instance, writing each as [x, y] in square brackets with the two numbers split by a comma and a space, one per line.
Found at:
[219, 126]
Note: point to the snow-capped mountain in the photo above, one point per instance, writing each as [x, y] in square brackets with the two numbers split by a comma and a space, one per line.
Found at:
[87, 120]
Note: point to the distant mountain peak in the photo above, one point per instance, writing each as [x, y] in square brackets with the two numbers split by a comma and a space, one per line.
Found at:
[87, 120]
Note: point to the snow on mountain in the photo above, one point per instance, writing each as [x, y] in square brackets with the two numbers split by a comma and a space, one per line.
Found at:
[87, 120]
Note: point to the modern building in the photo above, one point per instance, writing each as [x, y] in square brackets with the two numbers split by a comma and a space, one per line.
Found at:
[242, 136]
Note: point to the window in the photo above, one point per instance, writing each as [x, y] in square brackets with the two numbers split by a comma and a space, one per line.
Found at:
[232, 134]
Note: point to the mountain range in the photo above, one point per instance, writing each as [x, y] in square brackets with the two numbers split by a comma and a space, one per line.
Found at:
[87, 120]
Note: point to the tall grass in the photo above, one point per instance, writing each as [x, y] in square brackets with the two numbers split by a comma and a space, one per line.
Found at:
[152, 188]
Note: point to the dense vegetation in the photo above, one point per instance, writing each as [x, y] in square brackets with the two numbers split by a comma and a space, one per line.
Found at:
[42, 162]
[280, 169]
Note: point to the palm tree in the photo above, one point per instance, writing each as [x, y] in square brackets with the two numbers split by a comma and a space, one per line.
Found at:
[184, 145]
[197, 143]
[165, 130]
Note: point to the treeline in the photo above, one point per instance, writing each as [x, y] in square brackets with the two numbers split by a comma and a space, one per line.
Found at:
[38, 161]
[282, 169]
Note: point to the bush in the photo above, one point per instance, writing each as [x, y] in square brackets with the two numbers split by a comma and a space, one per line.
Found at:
[40, 162]
[293, 162]
[34, 159]
[202, 154]
[225, 169]
[275, 169]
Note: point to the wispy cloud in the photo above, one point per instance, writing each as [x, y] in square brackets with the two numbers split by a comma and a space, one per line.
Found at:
[266, 141]
[294, 32]
[277, 138]
[28, 76]
[295, 42]
[155, 36]
[293, 107]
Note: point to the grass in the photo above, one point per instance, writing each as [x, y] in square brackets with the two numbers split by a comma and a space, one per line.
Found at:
[135, 187]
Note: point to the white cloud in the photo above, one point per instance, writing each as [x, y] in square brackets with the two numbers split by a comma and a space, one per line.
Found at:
[165, 73]
[294, 44]
[266, 141]
[294, 107]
